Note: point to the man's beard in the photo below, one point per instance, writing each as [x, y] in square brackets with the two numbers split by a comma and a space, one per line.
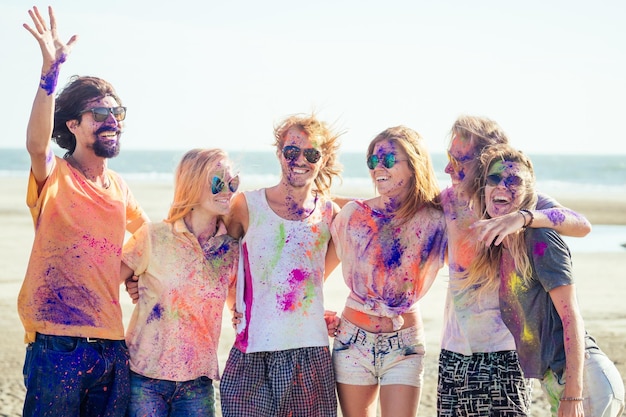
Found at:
[106, 149]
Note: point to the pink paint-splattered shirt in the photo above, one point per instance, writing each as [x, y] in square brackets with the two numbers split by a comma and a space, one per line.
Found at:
[388, 267]
[175, 328]
[279, 285]
[72, 282]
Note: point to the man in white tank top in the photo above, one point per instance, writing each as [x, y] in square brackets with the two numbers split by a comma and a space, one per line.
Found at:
[280, 364]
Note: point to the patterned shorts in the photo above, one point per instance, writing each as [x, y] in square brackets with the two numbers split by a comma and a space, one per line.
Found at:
[295, 382]
[482, 385]
[364, 358]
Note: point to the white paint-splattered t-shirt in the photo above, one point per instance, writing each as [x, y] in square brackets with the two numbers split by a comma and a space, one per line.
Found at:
[279, 285]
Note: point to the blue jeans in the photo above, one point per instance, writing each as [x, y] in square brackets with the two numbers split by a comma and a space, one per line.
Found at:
[160, 398]
[603, 389]
[74, 376]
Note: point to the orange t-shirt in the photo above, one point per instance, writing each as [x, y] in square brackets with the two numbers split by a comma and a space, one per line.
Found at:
[72, 282]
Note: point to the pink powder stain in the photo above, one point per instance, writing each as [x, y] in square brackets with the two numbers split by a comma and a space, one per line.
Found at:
[293, 299]
[540, 248]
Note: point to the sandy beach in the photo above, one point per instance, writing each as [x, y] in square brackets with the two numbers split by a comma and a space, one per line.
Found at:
[599, 276]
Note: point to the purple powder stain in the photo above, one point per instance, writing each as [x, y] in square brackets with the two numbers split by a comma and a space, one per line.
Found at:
[50, 78]
[556, 217]
[156, 313]
[392, 254]
[540, 248]
[290, 300]
[433, 242]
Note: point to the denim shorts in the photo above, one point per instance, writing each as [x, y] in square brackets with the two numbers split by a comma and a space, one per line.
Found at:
[603, 388]
[71, 376]
[364, 358]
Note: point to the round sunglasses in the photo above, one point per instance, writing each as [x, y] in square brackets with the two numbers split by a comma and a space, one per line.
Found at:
[217, 184]
[388, 160]
[100, 114]
[291, 153]
[512, 181]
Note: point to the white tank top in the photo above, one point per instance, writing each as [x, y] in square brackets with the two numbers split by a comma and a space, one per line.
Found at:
[281, 273]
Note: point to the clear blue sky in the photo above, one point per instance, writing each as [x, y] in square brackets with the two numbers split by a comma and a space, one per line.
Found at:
[218, 73]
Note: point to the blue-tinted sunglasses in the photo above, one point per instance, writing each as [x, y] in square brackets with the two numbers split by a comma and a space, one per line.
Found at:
[291, 153]
[388, 160]
[217, 184]
[512, 181]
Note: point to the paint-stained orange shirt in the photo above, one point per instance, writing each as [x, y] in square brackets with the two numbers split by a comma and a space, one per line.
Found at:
[72, 281]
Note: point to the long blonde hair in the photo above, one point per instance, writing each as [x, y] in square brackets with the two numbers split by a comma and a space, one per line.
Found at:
[424, 189]
[193, 174]
[483, 273]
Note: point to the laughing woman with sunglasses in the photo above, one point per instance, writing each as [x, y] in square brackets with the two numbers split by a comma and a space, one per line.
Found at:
[186, 267]
[533, 270]
[391, 248]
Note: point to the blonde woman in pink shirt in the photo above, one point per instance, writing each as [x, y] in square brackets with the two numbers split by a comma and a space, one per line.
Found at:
[187, 267]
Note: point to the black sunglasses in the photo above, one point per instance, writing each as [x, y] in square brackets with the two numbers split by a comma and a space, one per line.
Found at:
[388, 160]
[100, 114]
[512, 181]
[291, 153]
[217, 184]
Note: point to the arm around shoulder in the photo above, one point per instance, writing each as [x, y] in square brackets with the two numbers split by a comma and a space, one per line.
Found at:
[237, 221]
[565, 221]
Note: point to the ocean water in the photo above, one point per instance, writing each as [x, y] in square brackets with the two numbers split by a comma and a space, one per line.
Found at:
[577, 175]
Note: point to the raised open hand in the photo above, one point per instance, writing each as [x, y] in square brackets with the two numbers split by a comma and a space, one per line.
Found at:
[53, 50]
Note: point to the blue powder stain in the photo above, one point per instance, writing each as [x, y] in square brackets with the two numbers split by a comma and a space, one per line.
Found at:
[392, 254]
[156, 313]
[49, 79]
[434, 241]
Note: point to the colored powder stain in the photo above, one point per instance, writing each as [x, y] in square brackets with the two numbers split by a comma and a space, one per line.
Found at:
[155, 314]
[556, 216]
[49, 80]
[58, 303]
[433, 242]
[281, 239]
[292, 300]
[540, 248]
[392, 254]
[241, 339]
[527, 336]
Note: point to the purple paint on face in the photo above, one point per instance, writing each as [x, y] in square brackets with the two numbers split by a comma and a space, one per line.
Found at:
[556, 217]
[540, 248]
[49, 79]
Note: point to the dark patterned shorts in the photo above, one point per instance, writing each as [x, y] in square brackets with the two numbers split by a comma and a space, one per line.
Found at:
[482, 385]
[295, 382]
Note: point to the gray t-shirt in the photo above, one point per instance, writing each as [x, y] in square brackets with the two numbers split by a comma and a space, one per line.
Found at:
[528, 310]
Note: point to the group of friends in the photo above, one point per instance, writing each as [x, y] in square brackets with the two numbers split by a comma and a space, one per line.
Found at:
[510, 314]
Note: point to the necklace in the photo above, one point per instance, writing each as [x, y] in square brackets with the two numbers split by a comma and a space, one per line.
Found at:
[70, 158]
